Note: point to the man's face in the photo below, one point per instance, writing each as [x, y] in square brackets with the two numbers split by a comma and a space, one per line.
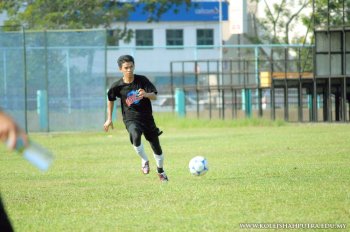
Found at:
[127, 69]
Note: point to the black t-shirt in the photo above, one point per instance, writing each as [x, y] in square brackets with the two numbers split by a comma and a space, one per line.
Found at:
[133, 108]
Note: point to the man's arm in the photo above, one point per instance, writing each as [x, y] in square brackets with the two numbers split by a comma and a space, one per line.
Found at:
[108, 123]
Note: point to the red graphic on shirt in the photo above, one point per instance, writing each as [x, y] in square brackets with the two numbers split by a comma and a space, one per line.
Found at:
[132, 98]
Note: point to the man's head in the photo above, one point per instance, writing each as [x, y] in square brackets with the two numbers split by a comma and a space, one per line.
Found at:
[126, 66]
[125, 59]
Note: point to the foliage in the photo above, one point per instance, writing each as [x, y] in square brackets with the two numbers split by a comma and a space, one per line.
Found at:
[326, 13]
[276, 25]
[82, 14]
[279, 19]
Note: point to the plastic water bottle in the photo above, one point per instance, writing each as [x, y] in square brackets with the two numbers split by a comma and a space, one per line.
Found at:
[35, 154]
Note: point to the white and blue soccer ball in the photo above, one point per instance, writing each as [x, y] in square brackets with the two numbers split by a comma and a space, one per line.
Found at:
[198, 166]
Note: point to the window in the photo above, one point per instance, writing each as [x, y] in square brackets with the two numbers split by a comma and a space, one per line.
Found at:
[112, 38]
[174, 38]
[144, 37]
[205, 37]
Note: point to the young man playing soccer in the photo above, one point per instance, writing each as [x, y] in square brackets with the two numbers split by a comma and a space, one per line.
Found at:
[135, 93]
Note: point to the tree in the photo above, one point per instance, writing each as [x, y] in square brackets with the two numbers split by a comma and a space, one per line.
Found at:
[275, 26]
[279, 19]
[328, 13]
[82, 14]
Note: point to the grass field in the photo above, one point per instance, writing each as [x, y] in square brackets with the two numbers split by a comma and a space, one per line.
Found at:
[260, 172]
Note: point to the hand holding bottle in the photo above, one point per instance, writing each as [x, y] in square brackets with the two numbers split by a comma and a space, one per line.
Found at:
[16, 139]
[10, 131]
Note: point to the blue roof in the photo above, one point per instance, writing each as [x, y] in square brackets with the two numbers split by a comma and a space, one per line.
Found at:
[198, 11]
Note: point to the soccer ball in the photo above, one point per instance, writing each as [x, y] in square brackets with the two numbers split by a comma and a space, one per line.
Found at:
[198, 166]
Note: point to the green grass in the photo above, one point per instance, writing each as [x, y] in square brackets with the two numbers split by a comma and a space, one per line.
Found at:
[260, 172]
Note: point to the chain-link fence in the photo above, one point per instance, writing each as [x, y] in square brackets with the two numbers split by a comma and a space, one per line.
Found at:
[53, 80]
[57, 80]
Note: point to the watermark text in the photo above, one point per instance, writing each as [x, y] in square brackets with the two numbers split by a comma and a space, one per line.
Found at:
[292, 226]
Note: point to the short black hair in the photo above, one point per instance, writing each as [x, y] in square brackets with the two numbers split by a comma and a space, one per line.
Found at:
[124, 59]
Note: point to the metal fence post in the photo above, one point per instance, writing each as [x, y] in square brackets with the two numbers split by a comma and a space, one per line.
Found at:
[42, 109]
[180, 106]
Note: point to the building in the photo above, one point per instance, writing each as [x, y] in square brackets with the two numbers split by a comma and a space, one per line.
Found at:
[196, 33]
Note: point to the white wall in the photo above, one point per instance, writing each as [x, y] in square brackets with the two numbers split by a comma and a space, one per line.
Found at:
[157, 59]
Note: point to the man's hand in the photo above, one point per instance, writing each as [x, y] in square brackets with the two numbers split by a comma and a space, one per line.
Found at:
[10, 131]
[108, 124]
[143, 93]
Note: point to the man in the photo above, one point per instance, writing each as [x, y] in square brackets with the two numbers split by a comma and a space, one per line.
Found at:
[9, 132]
[135, 93]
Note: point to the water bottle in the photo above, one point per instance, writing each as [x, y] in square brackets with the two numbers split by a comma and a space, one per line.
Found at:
[35, 154]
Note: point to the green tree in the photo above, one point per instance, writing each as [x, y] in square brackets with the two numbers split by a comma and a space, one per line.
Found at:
[279, 20]
[82, 14]
[274, 26]
[328, 13]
